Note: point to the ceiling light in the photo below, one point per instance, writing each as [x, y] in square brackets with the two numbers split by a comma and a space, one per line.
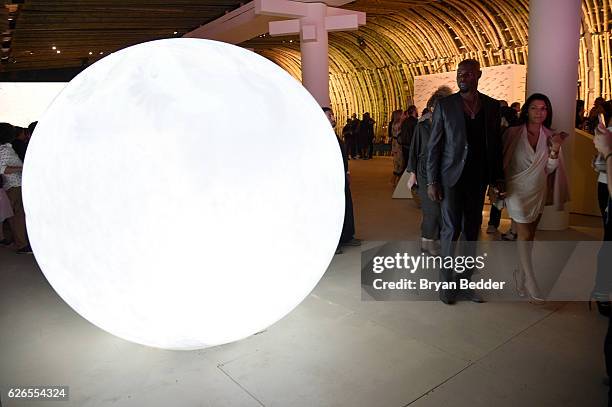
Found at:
[176, 32]
[101, 52]
[90, 53]
[54, 47]
[58, 51]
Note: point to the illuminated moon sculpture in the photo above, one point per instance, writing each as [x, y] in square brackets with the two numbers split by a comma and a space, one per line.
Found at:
[183, 193]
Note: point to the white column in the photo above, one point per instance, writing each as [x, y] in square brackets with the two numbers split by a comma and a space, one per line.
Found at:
[315, 53]
[312, 21]
[552, 69]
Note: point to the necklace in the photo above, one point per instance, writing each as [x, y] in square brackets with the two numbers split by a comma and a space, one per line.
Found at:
[473, 109]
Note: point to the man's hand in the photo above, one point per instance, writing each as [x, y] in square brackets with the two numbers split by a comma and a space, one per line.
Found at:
[411, 180]
[434, 192]
[500, 187]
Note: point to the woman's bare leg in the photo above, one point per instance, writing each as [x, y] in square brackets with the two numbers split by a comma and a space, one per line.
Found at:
[526, 235]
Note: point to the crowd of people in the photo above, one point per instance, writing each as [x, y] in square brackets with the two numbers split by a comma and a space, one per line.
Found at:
[358, 137]
[13, 145]
[591, 121]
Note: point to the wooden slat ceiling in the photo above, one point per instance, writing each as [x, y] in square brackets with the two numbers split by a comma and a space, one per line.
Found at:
[78, 27]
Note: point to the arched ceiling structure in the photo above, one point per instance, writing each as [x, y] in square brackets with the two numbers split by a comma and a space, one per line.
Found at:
[373, 69]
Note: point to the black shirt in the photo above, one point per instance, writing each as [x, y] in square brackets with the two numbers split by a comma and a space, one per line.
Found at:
[476, 161]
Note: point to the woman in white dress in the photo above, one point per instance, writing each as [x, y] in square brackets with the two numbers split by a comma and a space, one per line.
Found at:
[535, 176]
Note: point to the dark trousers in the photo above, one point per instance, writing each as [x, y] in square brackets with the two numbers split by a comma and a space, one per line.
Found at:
[430, 224]
[461, 216]
[405, 155]
[494, 216]
[348, 227]
[351, 147]
[602, 198]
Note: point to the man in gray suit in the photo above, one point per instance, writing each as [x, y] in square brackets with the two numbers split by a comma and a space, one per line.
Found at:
[465, 155]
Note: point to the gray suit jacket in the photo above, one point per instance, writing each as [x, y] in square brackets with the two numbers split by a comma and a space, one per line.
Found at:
[448, 146]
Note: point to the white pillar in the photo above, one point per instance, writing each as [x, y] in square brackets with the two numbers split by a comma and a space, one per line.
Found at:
[312, 21]
[552, 69]
[315, 53]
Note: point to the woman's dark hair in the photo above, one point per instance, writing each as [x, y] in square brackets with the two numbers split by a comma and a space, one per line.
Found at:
[7, 133]
[524, 116]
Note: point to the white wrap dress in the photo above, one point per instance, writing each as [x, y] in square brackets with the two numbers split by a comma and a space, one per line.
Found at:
[526, 173]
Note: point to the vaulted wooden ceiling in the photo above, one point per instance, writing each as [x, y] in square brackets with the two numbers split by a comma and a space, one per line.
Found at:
[371, 69]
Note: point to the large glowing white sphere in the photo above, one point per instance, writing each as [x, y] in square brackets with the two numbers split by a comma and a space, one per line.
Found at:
[183, 193]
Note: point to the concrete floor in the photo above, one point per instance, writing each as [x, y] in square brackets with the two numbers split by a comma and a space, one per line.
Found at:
[332, 350]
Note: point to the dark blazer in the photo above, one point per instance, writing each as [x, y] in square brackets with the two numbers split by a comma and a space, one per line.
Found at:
[417, 159]
[448, 146]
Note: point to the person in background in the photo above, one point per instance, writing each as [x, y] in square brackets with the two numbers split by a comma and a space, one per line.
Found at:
[579, 114]
[603, 283]
[592, 120]
[366, 136]
[371, 137]
[534, 171]
[411, 117]
[397, 119]
[10, 168]
[603, 197]
[353, 148]
[347, 136]
[6, 212]
[509, 117]
[517, 108]
[347, 238]
[417, 168]
[20, 143]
